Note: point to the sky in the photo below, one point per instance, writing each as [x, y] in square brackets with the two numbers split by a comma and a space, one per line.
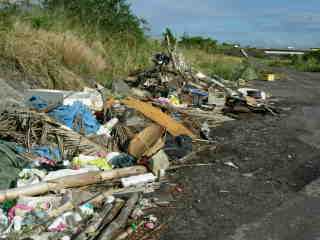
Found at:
[260, 23]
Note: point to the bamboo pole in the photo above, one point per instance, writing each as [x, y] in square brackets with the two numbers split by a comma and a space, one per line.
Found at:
[96, 201]
[92, 229]
[110, 232]
[78, 180]
[119, 203]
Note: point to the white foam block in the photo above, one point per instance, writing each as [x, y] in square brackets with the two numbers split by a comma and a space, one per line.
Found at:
[138, 180]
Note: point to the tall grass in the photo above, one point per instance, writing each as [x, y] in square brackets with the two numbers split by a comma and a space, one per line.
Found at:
[65, 60]
[56, 59]
[57, 51]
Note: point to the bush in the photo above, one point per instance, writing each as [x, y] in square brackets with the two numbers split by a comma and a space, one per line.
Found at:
[65, 40]
[309, 62]
[207, 44]
[228, 67]
[110, 16]
[309, 65]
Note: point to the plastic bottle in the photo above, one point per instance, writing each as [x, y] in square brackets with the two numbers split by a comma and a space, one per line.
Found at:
[107, 128]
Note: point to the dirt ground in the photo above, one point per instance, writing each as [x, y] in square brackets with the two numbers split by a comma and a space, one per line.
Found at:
[276, 158]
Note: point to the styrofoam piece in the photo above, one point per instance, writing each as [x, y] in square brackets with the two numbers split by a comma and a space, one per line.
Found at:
[138, 180]
[89, 97]
[67, 172]
[52, 97]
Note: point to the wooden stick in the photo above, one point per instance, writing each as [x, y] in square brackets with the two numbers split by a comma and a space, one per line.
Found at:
[92, 229]
[110, 232]
[114, 212]
[194, 154]
[190, 165]
[78, 180]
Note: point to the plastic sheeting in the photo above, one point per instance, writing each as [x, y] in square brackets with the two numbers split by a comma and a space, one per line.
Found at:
[78, 117]
[48, 153]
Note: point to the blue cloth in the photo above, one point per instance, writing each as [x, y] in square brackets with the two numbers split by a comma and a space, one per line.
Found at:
[68, 114]
[48, 153]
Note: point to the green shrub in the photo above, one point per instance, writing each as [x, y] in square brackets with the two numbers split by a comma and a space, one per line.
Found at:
[309, 62]
[111, 16]
[309, 65]
[207, 44]
[228, 67]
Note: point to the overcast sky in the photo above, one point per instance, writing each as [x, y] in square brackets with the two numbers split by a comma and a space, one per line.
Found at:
[267, 23]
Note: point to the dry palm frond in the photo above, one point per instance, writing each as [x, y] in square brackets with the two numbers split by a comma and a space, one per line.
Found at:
[108, 143]
[31, 128]
[122, 136]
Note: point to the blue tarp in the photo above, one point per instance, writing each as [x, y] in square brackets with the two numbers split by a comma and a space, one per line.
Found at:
[67, 115]
[76, 116]
[51, 153]
[48, 153]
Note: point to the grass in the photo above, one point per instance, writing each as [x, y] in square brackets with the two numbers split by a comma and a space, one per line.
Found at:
[57, 59]
[278, 62]
[310, 64]
[227, 67]
[55, 52]
[301, 63]
[64, 60]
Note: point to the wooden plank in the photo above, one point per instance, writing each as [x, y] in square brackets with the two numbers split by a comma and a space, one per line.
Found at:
[156, 115]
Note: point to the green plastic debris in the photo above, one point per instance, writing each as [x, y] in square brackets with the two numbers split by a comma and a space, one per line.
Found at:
[134, 227]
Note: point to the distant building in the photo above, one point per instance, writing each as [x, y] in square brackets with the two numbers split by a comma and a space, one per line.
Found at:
[284, 52]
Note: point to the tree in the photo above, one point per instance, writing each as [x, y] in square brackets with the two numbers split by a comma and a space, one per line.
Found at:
[170, 36]
[113, 16]
[206, 44]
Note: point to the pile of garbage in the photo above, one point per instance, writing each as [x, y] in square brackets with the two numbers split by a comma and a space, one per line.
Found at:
[88, 165]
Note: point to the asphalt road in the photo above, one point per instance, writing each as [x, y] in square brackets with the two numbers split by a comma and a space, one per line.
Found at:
[274, 194]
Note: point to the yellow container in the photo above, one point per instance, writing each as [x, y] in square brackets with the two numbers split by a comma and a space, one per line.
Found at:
[269, 77]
